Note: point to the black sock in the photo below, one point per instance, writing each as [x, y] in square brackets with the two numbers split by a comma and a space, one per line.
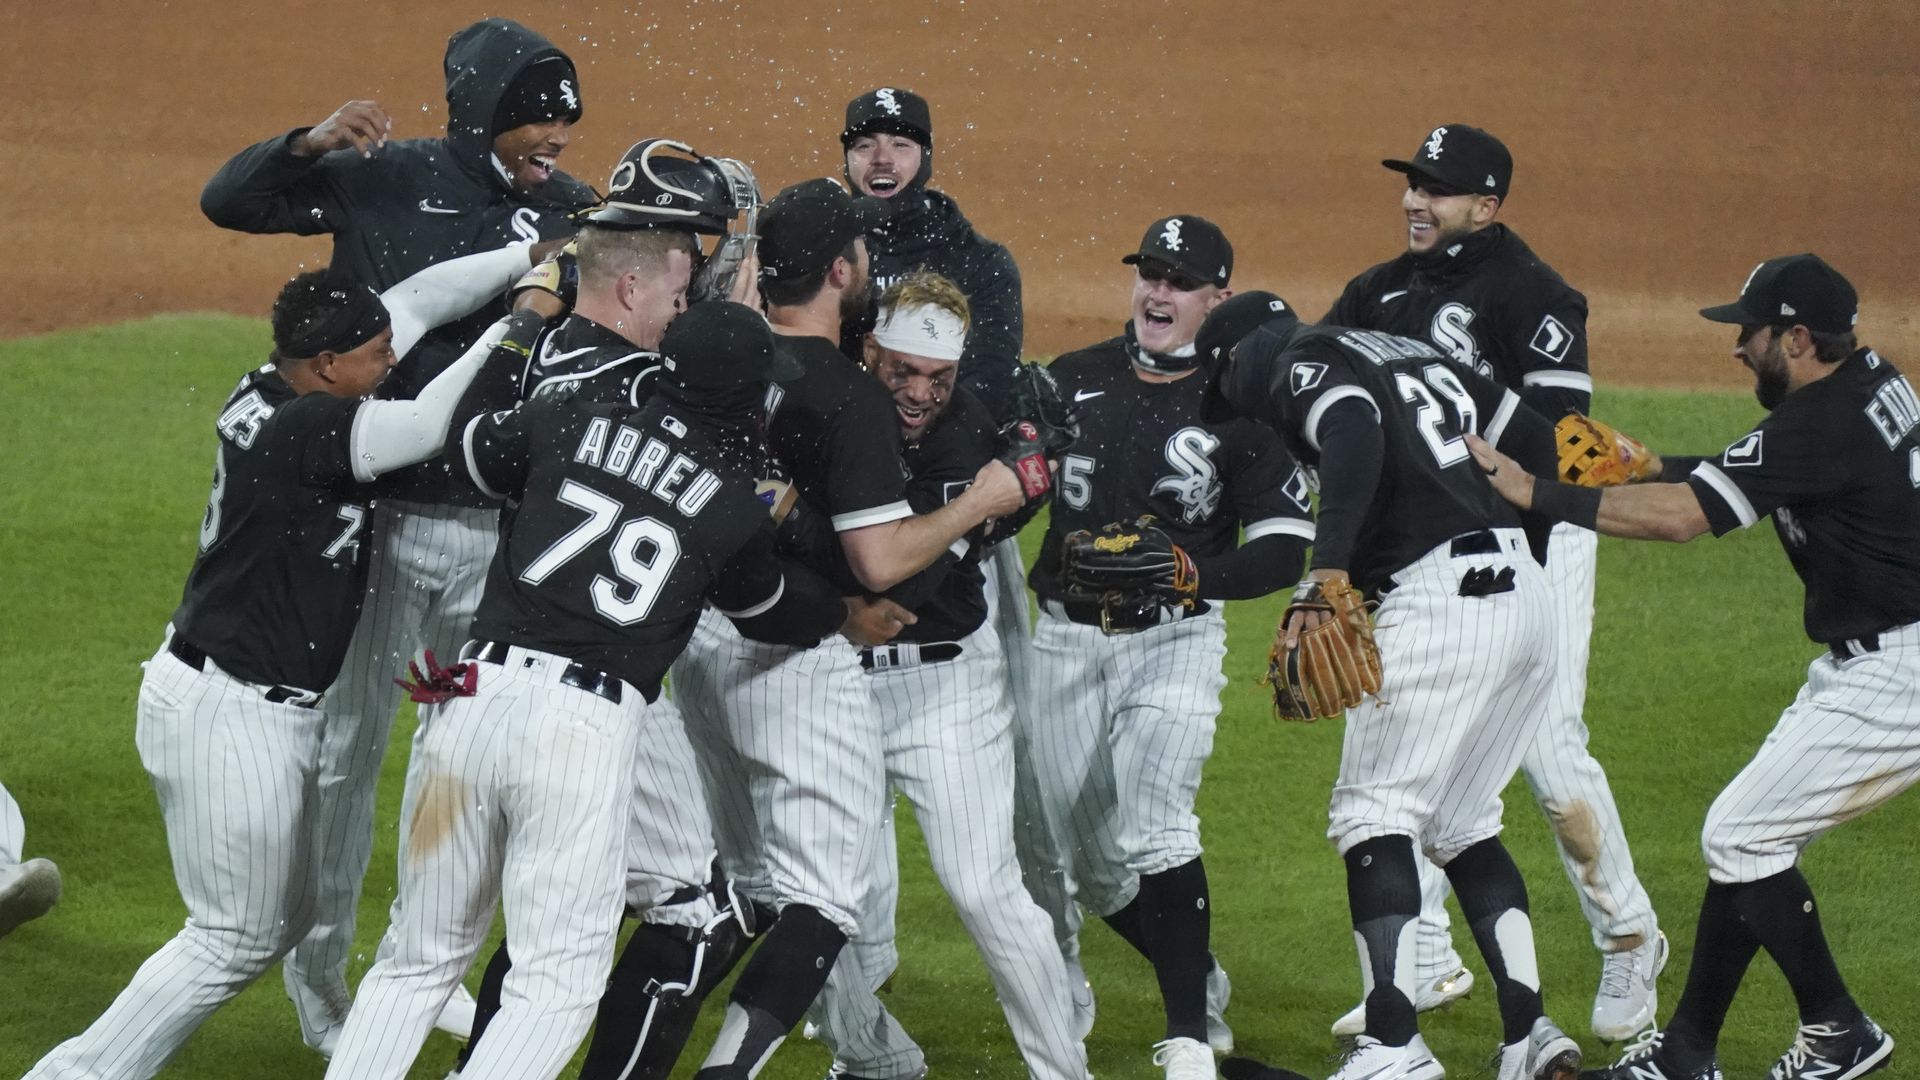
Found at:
[654, 955]
[1723, 946]
[773, 991]
[487, 1002]
[1176, 920]
[1383, 895]
[1780, 911]
[1491, 891]
[1126, 923]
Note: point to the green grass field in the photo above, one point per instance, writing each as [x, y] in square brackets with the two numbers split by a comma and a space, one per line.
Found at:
[108, 456]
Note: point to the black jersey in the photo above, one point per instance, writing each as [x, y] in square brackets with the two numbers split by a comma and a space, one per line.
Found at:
[1491, 305]
[577, 349]
[1144, 449]
[1837, 465]
[276, 588]
[941, 465]
[627, 520]
[834, 431]
[1429, 490]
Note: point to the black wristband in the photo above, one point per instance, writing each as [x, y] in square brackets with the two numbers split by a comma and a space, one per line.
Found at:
[1565, 502]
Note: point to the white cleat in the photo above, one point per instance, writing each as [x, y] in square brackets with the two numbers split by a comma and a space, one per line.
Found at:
[1185, 1059]
[321, 1016]
[1083, 1003]
[1625, 1005]
[1219, 993]
[1371, 1059]
[1434, 994]
[456, 1016]
[28, 890]
[1545, 1054]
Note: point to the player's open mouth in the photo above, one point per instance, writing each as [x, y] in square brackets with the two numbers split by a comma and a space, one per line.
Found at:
[542, 165]
[1160, 319]
[912, 418]
[883, 186]
[1418, 227]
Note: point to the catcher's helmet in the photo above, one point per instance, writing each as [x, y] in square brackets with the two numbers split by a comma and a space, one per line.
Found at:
[653, 188]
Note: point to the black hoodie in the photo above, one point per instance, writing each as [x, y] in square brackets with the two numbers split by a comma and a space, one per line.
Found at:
[414, 203]
[931, 231]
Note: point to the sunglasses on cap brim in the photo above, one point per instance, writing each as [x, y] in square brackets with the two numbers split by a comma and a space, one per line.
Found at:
[1177, 279]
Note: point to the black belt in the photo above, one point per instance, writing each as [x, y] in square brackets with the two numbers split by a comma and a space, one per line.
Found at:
[196, 659]
[1479, 582]
[1854, 648]
[1125, 620]
[908, 654]
[578, 676]
[1474, 543]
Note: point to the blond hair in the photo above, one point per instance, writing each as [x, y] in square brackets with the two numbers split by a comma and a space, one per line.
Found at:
[924, 288]
[605, 254]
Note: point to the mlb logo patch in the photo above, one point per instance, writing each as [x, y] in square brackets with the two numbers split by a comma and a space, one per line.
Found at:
[1744, 452]
[1306, 376]
[1553, 340]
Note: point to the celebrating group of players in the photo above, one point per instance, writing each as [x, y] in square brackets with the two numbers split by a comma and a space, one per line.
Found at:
[777, 454]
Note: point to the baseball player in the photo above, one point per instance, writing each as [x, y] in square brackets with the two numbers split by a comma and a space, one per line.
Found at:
[789, 739]
[28, 889]
[1130, 698]
[1406, 518]
[629, 276]
[887, 151]
[1836, 464]
[940, 688]
[394, 207]
[229, 724]
[625, 521]
[1472, 288]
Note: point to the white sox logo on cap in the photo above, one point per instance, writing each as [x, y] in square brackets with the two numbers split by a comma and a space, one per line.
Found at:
[1170, 236]
[566, 92]
[884, 96]
[1433, 142]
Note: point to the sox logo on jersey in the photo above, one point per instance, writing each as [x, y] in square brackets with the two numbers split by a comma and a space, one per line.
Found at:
[1196, 483]
[1449, 332]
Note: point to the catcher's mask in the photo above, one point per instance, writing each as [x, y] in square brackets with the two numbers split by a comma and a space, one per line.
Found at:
[653, 187]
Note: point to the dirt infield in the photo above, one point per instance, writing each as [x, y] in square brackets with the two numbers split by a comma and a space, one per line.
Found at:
[1661, 149]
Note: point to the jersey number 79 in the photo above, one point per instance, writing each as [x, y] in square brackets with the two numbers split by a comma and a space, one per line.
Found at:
[645, 576]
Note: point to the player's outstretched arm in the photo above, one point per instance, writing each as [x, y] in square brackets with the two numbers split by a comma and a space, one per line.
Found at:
[455, 288]
[280, 185]
[1658, 511]
[773, 599]
[389, 435]
[883, 556]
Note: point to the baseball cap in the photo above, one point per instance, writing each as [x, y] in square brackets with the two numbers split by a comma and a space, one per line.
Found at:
[718, 343]
[1190, 244]
[1462, 157]
[891, 110]
[1233, 319]
[809, 223]
[1797, 290]
[546, 89]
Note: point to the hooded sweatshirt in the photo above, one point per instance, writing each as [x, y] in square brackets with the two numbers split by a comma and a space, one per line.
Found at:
[414, 203]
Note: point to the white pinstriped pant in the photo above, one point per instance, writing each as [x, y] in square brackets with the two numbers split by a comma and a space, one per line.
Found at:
[1121, 727]
[1849, 743]
[13, 829]
[789, 747]
[949, 750]
[424, 581]
[669, 824]
[234, 774]
[522, 800]
[1463, 688]
[1567, 781]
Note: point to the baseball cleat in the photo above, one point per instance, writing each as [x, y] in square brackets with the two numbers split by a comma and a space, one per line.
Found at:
[456, 1016]
[1642, 1062]
[1625, 1004]
[810, 1031]
[1185, 1059]
[28, 890]
[1545, 1054]
[1084, 1006]
[1832, 1052]
[321, 1015]
[1371, 1059]
[1434, 994]
[1219, 993]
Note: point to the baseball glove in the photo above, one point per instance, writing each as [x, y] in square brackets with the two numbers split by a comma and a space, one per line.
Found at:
[1128, 567]
[1593, 454]
[1334, 664]
[1037, 398]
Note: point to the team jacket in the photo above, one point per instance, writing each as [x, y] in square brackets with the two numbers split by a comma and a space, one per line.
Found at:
[1837, 467]
[1144, 449]
[931, 232]
[414, 203]
[1490, 304]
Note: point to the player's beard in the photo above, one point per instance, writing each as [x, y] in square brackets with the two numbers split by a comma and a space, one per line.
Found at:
[1770, 376]
[860, 310]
